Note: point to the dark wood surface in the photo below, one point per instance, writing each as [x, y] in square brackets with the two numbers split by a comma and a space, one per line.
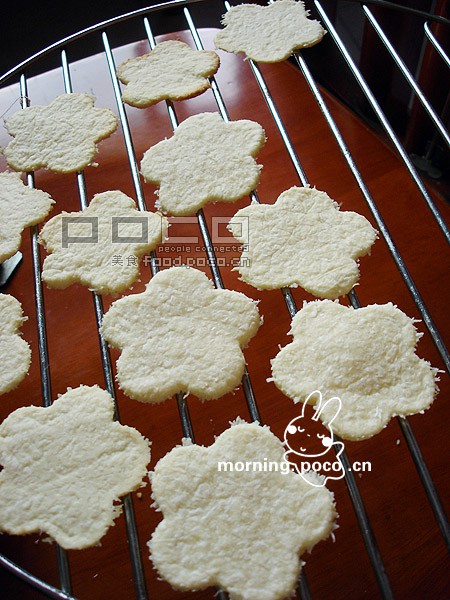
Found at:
[410, 543]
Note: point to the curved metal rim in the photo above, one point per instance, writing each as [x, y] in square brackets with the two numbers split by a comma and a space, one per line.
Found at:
[45, 588]
[93, 28]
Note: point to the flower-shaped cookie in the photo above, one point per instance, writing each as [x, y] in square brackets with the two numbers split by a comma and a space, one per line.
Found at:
[100, 247]
[61, 136]
[268, 33]
[171, 71]
[365, 357]
[231, 523]
[15, 353]
[207, 160]
[65, 466]
[180, 335]
[302, 239]
[20, 207]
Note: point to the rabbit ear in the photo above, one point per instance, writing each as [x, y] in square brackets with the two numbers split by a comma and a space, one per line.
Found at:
[334, 405]
[317, 404]
[304, 408]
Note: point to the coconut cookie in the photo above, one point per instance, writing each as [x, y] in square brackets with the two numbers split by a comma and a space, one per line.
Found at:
[20, 207]
[15, 353]
[268, 33]
[303, 239]
[241, 530]
[366, 357]
[171, 71]
[65, 467]
[180, 335]
[101, 246]
[207, 160]
[61, 136]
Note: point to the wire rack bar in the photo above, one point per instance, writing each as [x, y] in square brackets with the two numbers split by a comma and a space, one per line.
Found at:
[209, 247]
[366, 528]
[127, 139]
[130, 519]
[44, 363]
[97, 299]
[401, 266]
[426, 478]
[182, 404]
[44, 588]
[383, 120]
[225, 116]
[413, 446]
[302, 590]
[440, 50]
[186, 423]
[125, 126]
[361, 514]
[363, 519]
[212, 262]
[407, 74]
[276, 117]
[405, 9]
[212, 259]
[356, 498]
[424, 474]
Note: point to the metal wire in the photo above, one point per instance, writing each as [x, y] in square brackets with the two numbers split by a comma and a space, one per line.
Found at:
[400, 263]
[215, 271]
[209, 247]
[34, 582]
[436, 44]
[405, 9]
[407, 74]
[44, 363]
[427, 481]
[182, 404]
[130, 519]
[424, 474]
[360, 511]
[384, 121]
[225, 116]
[405, 426]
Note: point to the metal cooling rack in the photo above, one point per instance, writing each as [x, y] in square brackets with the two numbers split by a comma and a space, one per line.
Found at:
[65, 591]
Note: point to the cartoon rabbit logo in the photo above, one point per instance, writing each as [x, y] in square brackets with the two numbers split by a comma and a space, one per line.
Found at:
[301, 441]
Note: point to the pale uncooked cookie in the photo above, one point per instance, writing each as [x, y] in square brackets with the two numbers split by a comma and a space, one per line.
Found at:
[180, 335]
[61, 136]
[366, 357]
[268, 33]
[65, 467]
[20, 207]
[15, 353]
[106, 259]
[207, 160]
[242, 531]
[303, 239]
[171, 71]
